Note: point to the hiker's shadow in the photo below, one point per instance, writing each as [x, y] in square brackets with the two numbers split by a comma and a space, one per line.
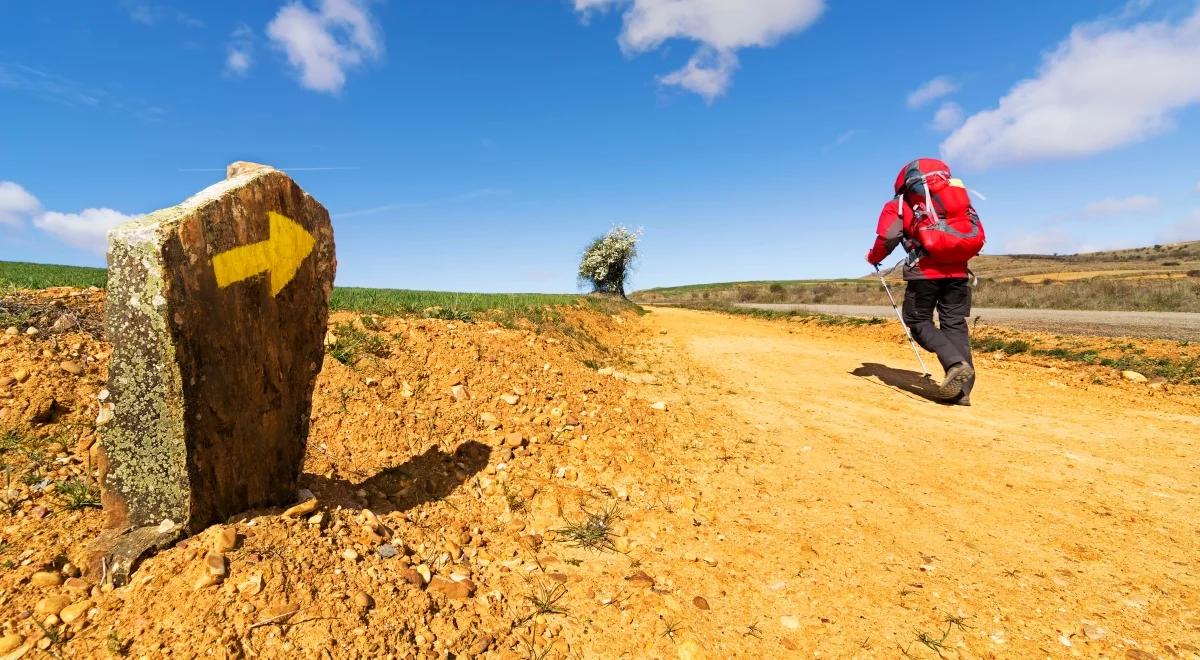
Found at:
[909, 381]
[424, 478]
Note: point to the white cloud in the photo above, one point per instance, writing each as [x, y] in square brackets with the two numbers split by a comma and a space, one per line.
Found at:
[239, 54]
[1104, 87]
[149, 13]
[722, 27]
[16, 204]
[931, 91]
[1050, 241]
[87, 229]
[1187, 229]
[322, 45]
[948, 117]
[1121, 206]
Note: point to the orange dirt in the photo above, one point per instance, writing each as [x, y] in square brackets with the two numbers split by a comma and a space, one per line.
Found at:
[779, 505]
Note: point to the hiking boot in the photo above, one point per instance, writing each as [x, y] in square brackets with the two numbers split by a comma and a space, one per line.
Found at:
[956, 376]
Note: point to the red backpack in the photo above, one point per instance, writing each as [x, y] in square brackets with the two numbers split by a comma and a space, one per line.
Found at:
[944, 223]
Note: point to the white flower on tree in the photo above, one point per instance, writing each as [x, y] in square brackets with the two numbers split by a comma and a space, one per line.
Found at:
[607, 260]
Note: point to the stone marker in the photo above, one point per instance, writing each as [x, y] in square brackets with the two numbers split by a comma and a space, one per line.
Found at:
[216, 312]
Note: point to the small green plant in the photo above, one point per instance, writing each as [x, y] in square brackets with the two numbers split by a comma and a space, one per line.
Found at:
[545, 596]
[449, 314]
[354, 343]
[593, 531]
[77, 494]
[672, 628]
[115, 645]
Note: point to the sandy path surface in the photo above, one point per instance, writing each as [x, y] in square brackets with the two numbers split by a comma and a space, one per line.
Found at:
[854, 518]
[1159, 325]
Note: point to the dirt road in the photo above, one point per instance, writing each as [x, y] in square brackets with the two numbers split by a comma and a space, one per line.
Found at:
[1159, 325]
[855, 518]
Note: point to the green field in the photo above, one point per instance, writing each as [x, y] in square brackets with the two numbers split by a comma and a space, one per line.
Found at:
[20, 275]
[17, 275]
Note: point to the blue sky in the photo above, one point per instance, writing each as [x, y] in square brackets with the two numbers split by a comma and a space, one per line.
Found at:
[478, 145]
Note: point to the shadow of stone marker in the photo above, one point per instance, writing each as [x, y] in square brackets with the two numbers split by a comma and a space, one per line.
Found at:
[216, 310]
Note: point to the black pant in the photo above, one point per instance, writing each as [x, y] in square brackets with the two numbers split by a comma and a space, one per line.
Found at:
[949, 339]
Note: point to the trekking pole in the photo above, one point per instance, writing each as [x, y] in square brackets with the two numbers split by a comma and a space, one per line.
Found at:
[907, 333]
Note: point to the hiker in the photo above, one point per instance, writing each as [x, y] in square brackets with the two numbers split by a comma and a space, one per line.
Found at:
[932, 218]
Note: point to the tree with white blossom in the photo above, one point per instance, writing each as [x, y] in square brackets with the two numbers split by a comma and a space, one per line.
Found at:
[607, 260]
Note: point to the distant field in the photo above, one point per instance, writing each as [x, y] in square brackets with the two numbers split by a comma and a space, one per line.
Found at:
[39, 276]
[354, 299]
[1164, 278]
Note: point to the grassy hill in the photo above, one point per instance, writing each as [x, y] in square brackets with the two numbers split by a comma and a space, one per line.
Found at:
[1156, 278]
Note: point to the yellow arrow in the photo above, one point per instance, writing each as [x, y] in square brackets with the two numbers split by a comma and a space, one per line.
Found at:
[282, 254]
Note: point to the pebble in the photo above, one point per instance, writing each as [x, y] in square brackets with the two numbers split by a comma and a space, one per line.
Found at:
[73, 368]
[51, 605]
[387, 551]
[225, 540]
[214, 563]
[20, 375]
[11, 330]
[251, 586]
[7, 381]
[46, 579]
[1133, 377]
[307, 506]
[640, 579]
[363, 601]
[700, 602]
[73, 613]
[513, 440]
[790, 622]
[658, 405]
[77, 584]
[457, 590]
[423, 571]
[10, 642]
[31, 331]
[458, 392]
[412, 577]
[510, 399]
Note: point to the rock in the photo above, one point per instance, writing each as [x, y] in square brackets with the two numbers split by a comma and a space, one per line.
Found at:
[31, 331]
[789, 622]
[459, 392]
[488, 421]
[350, 554]
[7, 381]
[363, 601]
[412, 577]
[513, 440]
[452, 589]
[20, 375]
[77, 585]
[73, 613]
[51, 605]
[510, 399]
[303, 508]
[386, 551]
[40, 409]
[105, 415]
[700, 602]
[691, 650]
[1133, 377]
[640, 579]
[46, 579]
[11, 330]
[218, 305]
[225, 540]
[214, 563]
[64, 323]
[251, 586]
[73, 368]
[1093, 633]
[10, 642]
[71, 570]
[423, 571]
[658, 405]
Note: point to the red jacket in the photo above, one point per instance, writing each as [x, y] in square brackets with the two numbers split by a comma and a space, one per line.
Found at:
[893, 231]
